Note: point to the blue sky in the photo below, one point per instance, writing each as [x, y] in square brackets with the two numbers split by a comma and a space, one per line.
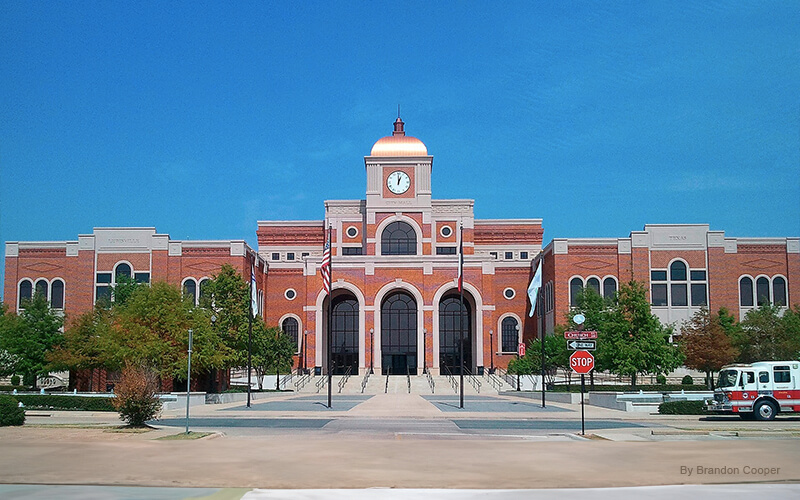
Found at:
[202, 118]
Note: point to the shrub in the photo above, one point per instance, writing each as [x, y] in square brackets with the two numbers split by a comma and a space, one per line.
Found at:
[53, 402]
[687, 380]
[681, 408]
[10, 412]
[661, 379]
[137, 401]
[576, 387]
[15, 380]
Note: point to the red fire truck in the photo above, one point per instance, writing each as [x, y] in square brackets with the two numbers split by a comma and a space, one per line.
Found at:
[758, 390]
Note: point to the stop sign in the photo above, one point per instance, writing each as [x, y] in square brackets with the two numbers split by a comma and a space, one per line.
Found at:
[581, 362]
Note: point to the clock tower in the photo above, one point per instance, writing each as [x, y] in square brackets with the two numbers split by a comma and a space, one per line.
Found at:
[398, 173]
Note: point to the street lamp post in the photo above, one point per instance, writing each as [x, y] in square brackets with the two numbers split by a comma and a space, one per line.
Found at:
[491, 351]
[188, 380]
[371, 351]
[518, 339]
[305, 351]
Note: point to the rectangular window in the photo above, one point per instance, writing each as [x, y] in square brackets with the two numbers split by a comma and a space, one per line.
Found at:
[493, 254]
[290, 256]
[351, 251]
[445, 250]
[304, 254]
[782, 374]
[699, 294]
[276, 256]
[103, 293]
[679, 297]
[104, 277]
[142, 277]
[658, 276]
[658, 294]
[509, 255]
[523, 255]
[763, 377]
[698, 275]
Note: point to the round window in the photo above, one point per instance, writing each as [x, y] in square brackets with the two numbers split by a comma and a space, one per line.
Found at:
[509, 293]
[352, 231]
[446, 231]
[290, 294]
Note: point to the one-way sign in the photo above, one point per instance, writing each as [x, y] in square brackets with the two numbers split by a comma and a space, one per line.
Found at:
[583, 345]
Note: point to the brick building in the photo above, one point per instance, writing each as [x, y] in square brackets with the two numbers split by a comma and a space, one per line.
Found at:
[73, 275]
[394, 272]
[684, 267]
[395, 299]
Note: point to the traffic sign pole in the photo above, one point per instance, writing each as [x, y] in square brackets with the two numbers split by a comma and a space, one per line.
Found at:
[583, 389]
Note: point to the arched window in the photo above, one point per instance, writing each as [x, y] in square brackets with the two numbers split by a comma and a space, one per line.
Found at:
[677, 271]
[594, 284]
[123, 269]
[344, 334]
[190, 290]
[510, 334]
[609, 287]
[575, 287]
[779, 291]
[57, 294]
[204, 297]
[41, 288]
[679, 294]
[762, 291]
[399, 238]
[291, 328]
[746, 292]
[25, 291]
[454, 324]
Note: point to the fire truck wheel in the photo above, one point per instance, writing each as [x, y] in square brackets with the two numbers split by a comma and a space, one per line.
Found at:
[765, 410]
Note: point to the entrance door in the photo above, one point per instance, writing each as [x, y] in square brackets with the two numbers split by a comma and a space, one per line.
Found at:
[399, 334]
[452, 327]
[344, 348]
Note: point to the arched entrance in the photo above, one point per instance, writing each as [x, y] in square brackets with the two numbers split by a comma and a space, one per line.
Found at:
[344, 334]
[399, 334]
[451, 326]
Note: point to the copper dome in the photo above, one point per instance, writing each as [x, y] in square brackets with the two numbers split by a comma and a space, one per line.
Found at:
[399, 144]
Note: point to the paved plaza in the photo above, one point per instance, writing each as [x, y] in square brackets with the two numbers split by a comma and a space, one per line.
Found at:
[405, 441]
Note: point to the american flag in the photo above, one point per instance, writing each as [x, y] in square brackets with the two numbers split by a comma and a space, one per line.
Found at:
[325, 268]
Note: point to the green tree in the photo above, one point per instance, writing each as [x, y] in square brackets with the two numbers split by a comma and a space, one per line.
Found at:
[633, 340]
[706, 345]
[28, 338]
[556, 356]
[768, 335]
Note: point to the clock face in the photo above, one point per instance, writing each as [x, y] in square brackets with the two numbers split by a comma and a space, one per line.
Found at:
[398, 182]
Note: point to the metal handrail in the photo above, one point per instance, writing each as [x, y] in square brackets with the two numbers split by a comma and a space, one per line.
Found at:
[321, 382]
[302, 381]
[473, 380]
[450, 378]
[386, 387]
[287, 379]
[431, 382]
[494, 381]
[344, 378]
[408, 378]
[509, 379]
[365, 381]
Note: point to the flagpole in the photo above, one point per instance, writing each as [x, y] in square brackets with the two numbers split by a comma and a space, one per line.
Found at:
[330, 313]
[461, 315]
[250, 329]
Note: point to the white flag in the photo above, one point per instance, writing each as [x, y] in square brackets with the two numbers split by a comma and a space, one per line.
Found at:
[253, 292]
[533, 288]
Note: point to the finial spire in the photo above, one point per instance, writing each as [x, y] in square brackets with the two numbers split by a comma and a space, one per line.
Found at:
[398, 126]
